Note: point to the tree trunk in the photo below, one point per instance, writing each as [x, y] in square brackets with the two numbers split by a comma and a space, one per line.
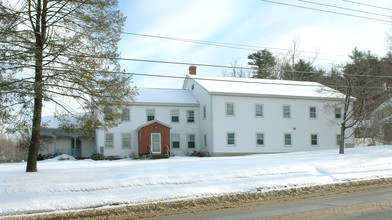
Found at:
[341, 142]
[36, 130]
[39, 27]
[35, 136]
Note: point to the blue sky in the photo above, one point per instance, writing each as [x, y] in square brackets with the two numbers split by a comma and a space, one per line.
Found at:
[250, 22]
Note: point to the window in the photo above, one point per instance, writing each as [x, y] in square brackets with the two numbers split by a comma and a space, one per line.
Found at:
[338, 138]
[126, 140]
[175, 138]
[338, 112]
[190, 115]
[287, 140]
[126, 115]
[204, 112]
[230, 139]
[150, 114]
[312, 112]
[259, 110]
[109, 114]
[229, 109]
[191, 141]
[286, 111]
[193, 87]
[109, 140]
[260, 139]
[205, 140]
[313, 139]
[175, 115]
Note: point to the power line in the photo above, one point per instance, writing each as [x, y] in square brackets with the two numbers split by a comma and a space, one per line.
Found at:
[204, 65]
[277, 82]
[233, 79]
[327, 11]
[348, 9]
[225, 44]
[163, 62]
[369, 5]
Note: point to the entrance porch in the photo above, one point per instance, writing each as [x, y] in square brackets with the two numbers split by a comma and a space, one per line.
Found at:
[154, 140]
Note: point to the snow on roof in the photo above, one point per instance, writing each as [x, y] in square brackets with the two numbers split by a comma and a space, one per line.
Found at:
[165, 97]
[386, 104]
[152, 122]
[49, 122]
[53, 122]
[264, 87]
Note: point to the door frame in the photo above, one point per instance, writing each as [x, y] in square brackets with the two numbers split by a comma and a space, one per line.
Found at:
[160, 143]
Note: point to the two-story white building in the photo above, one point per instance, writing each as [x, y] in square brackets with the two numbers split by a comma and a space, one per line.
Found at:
[227, 116]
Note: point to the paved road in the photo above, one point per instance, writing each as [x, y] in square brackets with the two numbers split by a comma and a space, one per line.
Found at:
[375, 204]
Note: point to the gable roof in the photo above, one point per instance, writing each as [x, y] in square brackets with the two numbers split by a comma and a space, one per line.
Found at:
[165, 97]
[264, 87]
[152, 122]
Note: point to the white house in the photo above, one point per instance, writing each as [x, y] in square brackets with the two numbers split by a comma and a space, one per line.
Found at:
[227, 116]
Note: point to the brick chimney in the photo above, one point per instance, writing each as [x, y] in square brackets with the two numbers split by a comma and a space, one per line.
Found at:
[192, 70]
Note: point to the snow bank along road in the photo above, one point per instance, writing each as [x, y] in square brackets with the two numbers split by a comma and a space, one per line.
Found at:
[76, 185]
[361, 200]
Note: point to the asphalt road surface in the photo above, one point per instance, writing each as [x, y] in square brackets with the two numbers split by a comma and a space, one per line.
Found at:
[372, 204]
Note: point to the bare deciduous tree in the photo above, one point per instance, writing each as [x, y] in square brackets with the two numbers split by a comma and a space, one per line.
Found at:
[237, 71]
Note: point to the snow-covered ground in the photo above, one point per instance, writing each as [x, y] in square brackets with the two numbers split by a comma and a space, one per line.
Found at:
[77, 184]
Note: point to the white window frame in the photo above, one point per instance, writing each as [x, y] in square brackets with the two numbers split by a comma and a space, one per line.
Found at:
[172, 114]
[188, 137]
[227, 109]
[338, 111]
[106, 140]
[311, 140]
[257, 138]
[283, 111]
[172, 140]
[160, 142]
[126, 114]
[228, 139]
[262, 111]
[291, 140]
[150, 112]
[123, 140]
[315, 112]
[190, 118]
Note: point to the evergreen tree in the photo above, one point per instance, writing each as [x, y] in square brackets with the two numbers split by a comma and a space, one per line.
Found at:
[264, 63]
[361, 79]
[301, 71]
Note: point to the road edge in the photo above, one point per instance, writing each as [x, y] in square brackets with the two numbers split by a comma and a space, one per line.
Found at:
[162, 209]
